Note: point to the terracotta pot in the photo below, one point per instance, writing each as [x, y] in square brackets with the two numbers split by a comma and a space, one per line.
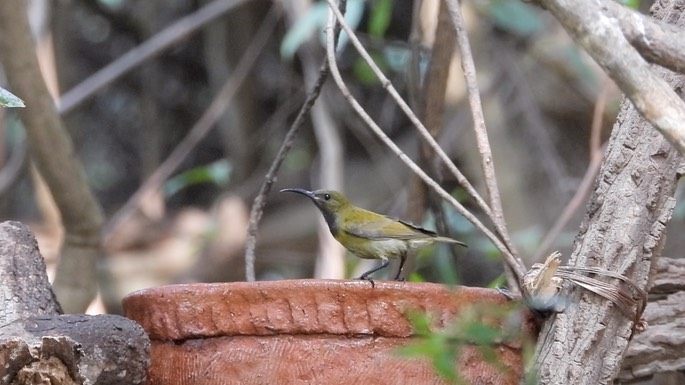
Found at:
[305, 332]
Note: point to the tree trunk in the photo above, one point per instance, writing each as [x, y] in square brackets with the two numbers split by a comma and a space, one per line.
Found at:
[623, 231]
[53, 153]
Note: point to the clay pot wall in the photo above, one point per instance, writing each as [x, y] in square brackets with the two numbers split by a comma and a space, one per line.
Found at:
[306, 332]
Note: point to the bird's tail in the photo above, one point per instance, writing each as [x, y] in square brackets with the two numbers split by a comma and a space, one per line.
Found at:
[449, 240]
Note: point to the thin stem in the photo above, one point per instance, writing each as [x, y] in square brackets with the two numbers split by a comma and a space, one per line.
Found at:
[260, 201]
[152, 47]
[588, 179]
[516, 265]
[270, 178]
[479, 127]
[201, 128]
[591, 27]
[387, 85]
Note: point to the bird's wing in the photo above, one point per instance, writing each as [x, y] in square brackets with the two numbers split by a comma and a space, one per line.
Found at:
[388, 228]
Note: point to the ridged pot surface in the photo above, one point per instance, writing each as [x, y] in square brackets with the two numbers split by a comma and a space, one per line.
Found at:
[307, 332]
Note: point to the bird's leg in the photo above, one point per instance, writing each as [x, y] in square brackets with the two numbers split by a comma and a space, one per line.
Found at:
[403, 259]
[383, 265]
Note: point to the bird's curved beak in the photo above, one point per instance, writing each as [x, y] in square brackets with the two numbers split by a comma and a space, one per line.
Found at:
[302, 191]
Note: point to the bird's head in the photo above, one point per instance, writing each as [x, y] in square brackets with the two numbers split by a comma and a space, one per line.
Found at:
[330, 203]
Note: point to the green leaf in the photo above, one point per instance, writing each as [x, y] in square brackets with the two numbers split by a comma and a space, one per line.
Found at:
[444, 364]
[500, 281]
[7, 99]
[416, 277]
[421, 322]
[380, 17]
[480, 334]
[314, 20]
[634, 4]
[218, 172]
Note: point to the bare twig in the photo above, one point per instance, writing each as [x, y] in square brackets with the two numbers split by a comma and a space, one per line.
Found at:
[479, 128]
[550, 160]
[588, 179]
[414, 74]
[201, 128]
[410, 114]
[652, 97]
[598, 121]
[259, 202]
[330, 262]
[152, 47]
[516, 265]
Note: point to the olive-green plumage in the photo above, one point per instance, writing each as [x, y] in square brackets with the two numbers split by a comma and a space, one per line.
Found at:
[367, 234]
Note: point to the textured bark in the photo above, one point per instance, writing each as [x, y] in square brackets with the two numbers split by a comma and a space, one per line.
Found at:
[24, 286]
[38, 345]
[661, 347]
[623, 231]
[658, 42]
[594, 28]
[669, 277]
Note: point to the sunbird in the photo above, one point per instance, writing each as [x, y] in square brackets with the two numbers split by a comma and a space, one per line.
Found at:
[370, 235]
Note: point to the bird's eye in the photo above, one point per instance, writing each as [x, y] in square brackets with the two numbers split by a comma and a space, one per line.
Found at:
[326, 197]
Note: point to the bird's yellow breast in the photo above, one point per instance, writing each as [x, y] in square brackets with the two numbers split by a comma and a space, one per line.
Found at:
[372, 248]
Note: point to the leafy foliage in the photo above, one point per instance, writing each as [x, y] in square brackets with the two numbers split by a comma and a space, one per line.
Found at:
[381, 15]
[8, 99]
[218, 172]
[442, 347]
[314, 21]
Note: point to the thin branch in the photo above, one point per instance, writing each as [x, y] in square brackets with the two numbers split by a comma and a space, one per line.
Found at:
[260, 201]
[598, 121]
[658, 42]
[479, 127]
[512, 259]
[330, 261]
[535, 125]
[516, 265]
[414, 73]
[652, 97]
[152, 47]
[387, 85]
[201, 128]
[588, 179]
[53, 153]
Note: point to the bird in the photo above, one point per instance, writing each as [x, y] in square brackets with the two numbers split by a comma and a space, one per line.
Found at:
[370, 235]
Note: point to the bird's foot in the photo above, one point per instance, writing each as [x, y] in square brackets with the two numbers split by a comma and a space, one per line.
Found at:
[367, 278]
